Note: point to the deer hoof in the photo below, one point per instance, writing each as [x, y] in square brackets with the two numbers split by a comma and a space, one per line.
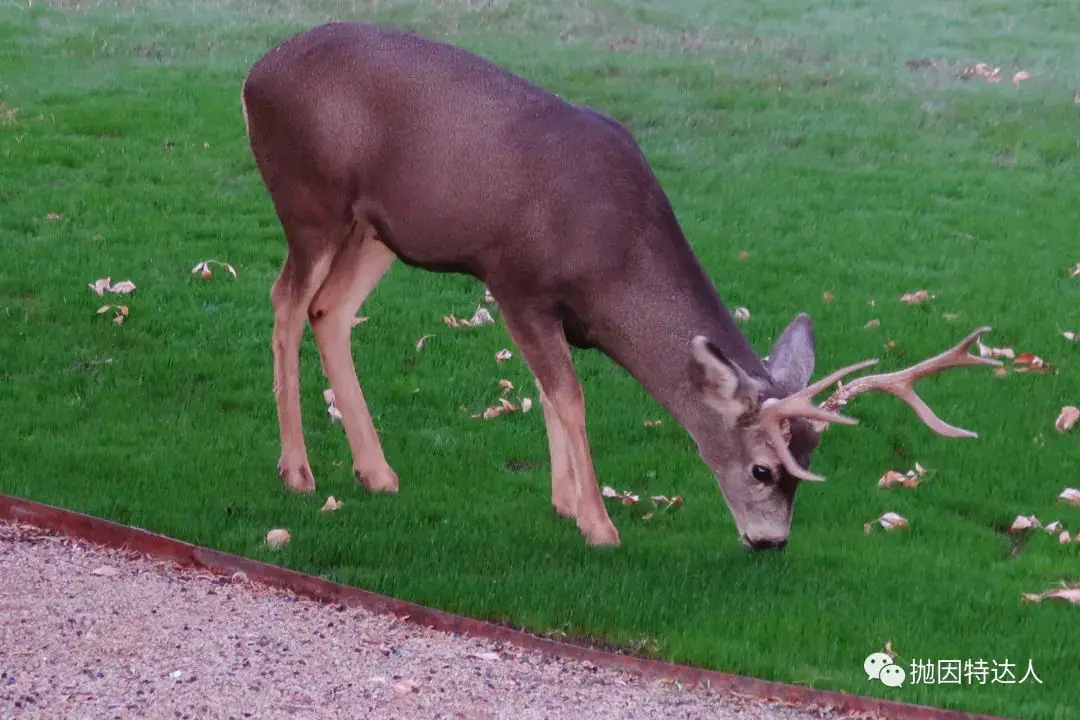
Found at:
[601, 534]
[382, 480]
[297, 478]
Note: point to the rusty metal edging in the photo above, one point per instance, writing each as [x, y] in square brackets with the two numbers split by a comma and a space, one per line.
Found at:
[123, 537]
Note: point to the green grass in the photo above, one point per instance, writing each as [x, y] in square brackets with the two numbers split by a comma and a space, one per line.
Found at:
[790, 129]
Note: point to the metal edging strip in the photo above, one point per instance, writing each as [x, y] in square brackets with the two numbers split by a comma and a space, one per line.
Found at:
[122, 537]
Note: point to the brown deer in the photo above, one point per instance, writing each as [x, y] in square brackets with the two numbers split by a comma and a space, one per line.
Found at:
[377, 143]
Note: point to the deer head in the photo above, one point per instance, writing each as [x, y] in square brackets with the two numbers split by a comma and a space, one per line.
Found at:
[766, 429]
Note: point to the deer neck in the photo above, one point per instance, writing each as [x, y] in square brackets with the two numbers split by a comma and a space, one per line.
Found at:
[667, 300]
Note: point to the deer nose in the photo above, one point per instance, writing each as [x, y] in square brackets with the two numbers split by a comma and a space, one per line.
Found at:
[765, 544]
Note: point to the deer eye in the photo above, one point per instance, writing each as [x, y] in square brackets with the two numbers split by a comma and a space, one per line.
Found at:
[761, 473]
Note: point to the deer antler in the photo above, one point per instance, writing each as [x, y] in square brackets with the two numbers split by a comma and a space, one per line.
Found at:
[900, 384]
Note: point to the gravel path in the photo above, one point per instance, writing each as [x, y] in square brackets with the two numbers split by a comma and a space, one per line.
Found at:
[92, 633]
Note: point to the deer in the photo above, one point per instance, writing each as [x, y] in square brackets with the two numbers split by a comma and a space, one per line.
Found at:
[377, 144]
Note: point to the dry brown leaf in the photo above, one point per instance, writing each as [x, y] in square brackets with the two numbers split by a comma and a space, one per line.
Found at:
[1020, 76]
[331, 405]
[53, 217]
[124, 287]
[949, 316]
[653, 423]
[889, 521]
[1069, 335]
[504, 406]
[482, 316]
[742, 314]
[331, 505]
[1029, 362]
[1067, 418]
[277, 537]
[488, 297]
[1064, 538]
[986, 351]
[203, 268]
[1070, 496]
[1024, 522]
[667, 502]
[744, 254]
[1075, 271]
[100, 285]
[1053, 528]
[503, 355]
[526, 404]
[506, 385]
[917, 297]
[828, 297]
[872, 324]
[359, 319]
[420, 342]
[105, 571]
[1066, 593]
[625, 496]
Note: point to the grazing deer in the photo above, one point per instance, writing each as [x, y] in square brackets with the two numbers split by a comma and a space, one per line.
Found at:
[377, 143]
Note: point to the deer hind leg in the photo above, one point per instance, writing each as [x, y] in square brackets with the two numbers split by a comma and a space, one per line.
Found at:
[356, 270]
[564, 493]
[290, 295]
[541, 340]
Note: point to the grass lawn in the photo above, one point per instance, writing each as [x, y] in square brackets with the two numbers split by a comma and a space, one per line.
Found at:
[794, 130]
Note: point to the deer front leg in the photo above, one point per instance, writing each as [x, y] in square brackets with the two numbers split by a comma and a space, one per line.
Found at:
[564, 492]
[290, 295]
[356, 270]
[541, 340]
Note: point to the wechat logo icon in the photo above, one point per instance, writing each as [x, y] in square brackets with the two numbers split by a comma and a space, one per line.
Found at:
[879, 666]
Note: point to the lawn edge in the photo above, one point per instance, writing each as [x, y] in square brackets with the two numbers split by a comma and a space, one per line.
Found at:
[113, 535]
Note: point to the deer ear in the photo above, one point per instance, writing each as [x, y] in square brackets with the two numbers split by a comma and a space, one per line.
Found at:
[723, 384]
[791, 362]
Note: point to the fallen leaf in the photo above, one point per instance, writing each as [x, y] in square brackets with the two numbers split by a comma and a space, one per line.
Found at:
[278, 537]
[52, 217]
[1053, 528]
[1075, 271]
[1064, 538]
[1070, 496]
[625, 496]
[503, 355]
[917, 297]
[506, 385]
[100, 285]
[203, 268]
[1029, 362]
[949, 316]
[653, 423]
[744, 254]
[1067, 418]
[331, 504]
[893, 478]
[105, 571]
[125, 287]
[872, 324]
[889, 521]
[489, 656]
[488, 297]
[420, 342]
[526, 404]
[481, 317]
[1018, 77]
[828, 297]
[331, 405]
[1024, 522]
[986, 351]
[1068, 594]
[742, 314]
[359, 319]
[495, 411]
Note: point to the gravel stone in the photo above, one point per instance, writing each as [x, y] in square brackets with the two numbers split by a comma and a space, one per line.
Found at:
[89, 632]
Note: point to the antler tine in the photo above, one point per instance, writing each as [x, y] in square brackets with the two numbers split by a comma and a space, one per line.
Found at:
[800, 404]
[901, 383]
